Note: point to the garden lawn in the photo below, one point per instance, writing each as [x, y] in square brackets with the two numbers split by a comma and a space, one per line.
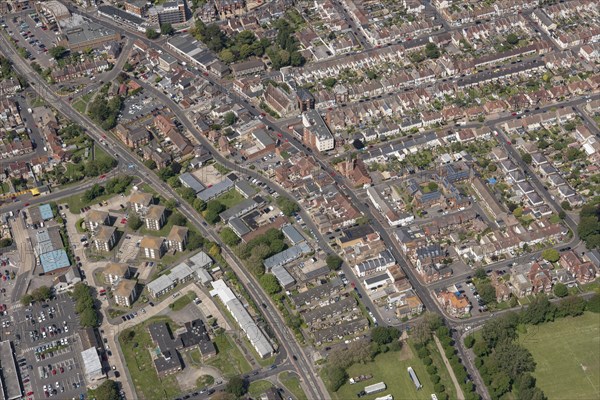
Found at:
[230, 198]
[292, 383]
[567, 356]
[80, 106]
[182, 301]
[140, 365]
[229, 359]
[259, 387]
[76, 202]
[392, 370]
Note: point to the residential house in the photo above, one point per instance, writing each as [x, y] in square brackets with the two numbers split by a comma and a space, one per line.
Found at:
[153, 247]
[140, 201]
[155, 217]
[114, 272]
[177, 238]
[584, 272]
[95, 218]
[455, 306]
[133, 138]
[105, 238]
[125, 293]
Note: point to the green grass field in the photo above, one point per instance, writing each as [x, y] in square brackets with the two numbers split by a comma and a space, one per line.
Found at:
[140, 365]
[567, 354]
[259, 387]
[230, 198]
[390, 368]
[229, 359]
[292, 383]
[80, 106]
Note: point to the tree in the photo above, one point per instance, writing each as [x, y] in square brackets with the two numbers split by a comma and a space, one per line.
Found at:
[565, 205]
[134, 222]
[187, 193]
[329, 82]
[432, 51]
[539, 310]
[337, 377]
[487, 293]
[230, 118]
[512, 39]
[287, 206]
[178, 219]
[150, 164]
[571, 306]
[26, 300]
[171, 204]
[89, 318]
[229, 236]
[5, 242]
[589, 225]
[58, 52]
[166, 29]
[593, 304]
[334, 262]
[213, 209]
[560, 290]
[469, 341]
[152, 34]
[384, 335]
[423, 328]
[513, 359]
[498, 329]
[270, 284]
[526, 158]
[480, 273]
[42, 293]
[500, 384]
[108, 390]
[237, 386]
[551, 255]
[195, 241]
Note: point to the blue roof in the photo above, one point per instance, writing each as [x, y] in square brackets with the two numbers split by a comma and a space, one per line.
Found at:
[46, 212]
[492, 181]
[54, 260]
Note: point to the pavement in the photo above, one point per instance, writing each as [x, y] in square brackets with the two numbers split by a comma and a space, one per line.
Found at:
[26, 347]
[459, 391]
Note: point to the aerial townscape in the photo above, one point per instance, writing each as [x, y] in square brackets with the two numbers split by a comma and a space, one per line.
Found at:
[300, 199]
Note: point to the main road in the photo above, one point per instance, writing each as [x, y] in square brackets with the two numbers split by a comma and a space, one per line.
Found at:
[313, 385]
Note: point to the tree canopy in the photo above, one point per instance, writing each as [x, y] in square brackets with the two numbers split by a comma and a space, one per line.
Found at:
[589, 225]
[270, 284]
[334, 262]
[108, 390]
[237, 386]
[229, 236]
[287, 206]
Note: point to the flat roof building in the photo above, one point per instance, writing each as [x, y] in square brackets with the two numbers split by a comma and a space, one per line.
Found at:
[46, 212]
[216, 190]
[316, 133]
[287, 256]
[92, 366]
[292, 234]
[8, 372]
[189, 181]
[257, 338]
[160, 286]
[170, 12]
[89, 35]
[125, 293]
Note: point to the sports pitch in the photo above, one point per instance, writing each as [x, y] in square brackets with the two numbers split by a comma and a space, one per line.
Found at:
[567, 354]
